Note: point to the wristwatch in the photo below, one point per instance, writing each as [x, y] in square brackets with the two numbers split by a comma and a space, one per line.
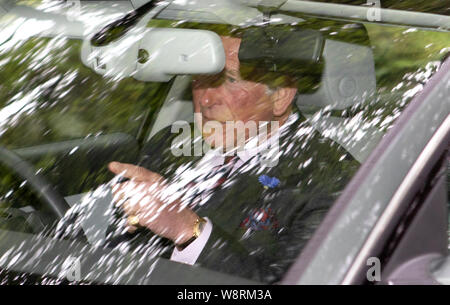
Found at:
[197, 230]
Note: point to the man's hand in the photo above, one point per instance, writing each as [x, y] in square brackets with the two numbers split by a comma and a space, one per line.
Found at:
[144, 196]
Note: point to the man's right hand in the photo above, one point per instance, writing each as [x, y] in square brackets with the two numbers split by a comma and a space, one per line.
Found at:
[143, 197]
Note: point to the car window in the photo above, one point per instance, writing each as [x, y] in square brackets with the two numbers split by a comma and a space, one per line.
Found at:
[67, 122]
[68, 100]
[448, 197]
[52, 102]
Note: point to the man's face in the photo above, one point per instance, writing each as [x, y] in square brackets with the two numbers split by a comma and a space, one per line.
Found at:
[227, 97]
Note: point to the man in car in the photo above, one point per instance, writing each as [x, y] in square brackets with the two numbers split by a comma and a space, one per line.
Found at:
[232, 212]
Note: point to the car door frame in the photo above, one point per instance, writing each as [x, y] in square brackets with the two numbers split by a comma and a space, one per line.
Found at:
[355, 226]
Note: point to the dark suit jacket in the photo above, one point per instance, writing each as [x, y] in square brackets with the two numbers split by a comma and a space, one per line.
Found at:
[258, 232]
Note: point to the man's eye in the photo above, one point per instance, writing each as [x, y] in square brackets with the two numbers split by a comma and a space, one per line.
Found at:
[231, 79]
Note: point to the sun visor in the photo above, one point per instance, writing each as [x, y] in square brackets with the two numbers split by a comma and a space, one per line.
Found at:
[281, 49]
[328, 71]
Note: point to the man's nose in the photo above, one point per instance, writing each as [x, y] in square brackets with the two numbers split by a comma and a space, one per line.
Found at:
[211, 97]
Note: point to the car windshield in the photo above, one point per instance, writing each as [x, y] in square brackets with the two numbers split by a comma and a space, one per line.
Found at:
[308, 99]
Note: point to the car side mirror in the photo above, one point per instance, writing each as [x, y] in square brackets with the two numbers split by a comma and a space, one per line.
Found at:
[157, 54]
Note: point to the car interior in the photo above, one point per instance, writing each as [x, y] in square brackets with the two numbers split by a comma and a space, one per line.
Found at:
[344, 86]
[345, 83]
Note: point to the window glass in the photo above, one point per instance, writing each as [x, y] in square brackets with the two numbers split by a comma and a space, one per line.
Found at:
[448, 198]
[312, 96]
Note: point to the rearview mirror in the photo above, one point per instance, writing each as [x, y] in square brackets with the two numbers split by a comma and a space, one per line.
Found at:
[165, 52]
[157, 54]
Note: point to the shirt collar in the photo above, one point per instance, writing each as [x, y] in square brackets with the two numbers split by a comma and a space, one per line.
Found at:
[215, 157]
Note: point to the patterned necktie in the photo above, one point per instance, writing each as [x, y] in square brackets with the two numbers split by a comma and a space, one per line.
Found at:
[223, 171]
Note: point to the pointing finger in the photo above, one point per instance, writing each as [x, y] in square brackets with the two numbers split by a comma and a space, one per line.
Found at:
[131, 171]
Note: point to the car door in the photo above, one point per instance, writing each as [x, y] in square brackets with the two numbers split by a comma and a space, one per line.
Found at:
[419, 242]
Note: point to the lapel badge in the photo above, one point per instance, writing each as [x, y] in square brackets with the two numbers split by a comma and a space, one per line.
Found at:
[268, 182]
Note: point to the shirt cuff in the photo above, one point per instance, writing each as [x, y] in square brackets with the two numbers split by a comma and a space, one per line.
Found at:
[190, 254]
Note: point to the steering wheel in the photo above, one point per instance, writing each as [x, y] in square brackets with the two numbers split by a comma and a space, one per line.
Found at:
[54, 201]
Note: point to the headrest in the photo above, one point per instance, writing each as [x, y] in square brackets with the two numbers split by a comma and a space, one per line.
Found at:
[348, 77]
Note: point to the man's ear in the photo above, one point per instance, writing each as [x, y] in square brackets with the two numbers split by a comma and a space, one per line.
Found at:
[283, 98]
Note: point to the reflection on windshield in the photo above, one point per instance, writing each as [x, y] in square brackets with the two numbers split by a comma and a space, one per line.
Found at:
[231, 172]
[119, 28]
